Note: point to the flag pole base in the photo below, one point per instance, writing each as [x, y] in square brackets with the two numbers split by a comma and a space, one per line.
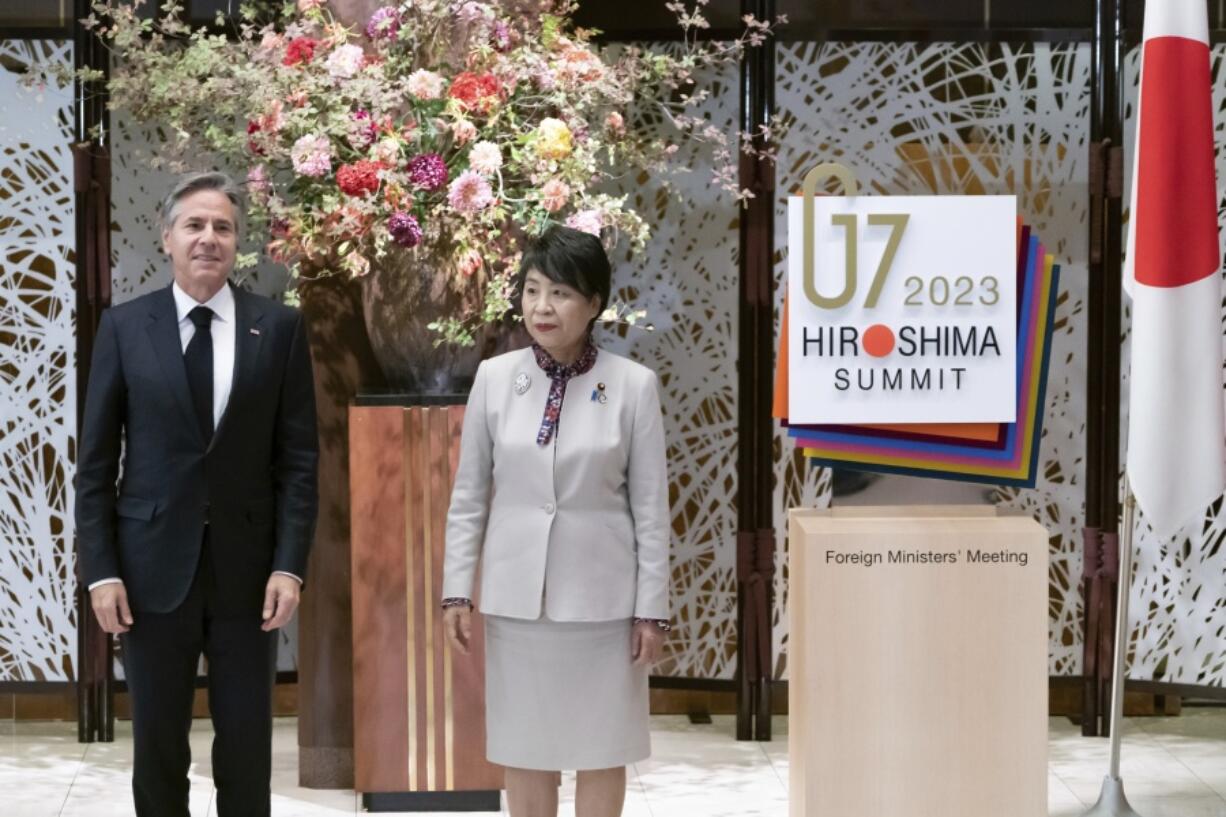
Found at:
[1111, 801]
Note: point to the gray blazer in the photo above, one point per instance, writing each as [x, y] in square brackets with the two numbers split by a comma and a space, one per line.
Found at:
[582, 522]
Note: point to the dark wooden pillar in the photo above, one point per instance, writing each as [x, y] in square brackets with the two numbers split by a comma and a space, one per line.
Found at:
[343, 364]
[755, 426]
[92, 182]
[1100, 580]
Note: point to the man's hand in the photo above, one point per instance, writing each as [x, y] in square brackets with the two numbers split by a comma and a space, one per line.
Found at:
[458, 627]
[280, 601]
[110, 603]
[645, 642]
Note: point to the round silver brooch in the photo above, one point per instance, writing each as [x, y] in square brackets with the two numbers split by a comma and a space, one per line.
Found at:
[522, 383]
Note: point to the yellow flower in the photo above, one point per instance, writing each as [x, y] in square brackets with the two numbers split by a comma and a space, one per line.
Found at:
[553, 139]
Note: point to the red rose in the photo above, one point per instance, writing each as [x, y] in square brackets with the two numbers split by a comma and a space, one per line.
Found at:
[301, 50]
[358, 179]
[476, 92]
[252, 145]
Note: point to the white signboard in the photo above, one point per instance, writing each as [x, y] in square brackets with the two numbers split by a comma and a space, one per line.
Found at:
[907, 313]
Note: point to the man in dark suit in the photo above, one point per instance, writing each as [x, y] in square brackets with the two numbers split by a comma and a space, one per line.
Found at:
[198, 544]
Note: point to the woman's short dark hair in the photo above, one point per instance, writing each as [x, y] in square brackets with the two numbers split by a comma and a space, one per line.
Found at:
[571, 257]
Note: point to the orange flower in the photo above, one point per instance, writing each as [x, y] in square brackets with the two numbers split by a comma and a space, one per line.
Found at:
[480, 93]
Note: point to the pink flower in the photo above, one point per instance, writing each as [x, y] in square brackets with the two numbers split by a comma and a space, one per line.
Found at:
[383, 24]
[546, 79]
[485, 158]
[362, 131]
[310, 5]
[274, 118]
[312, 156]
[425, 85]
[257, 180]
[468, 263]
[577, 66]
[356, 264]
[615, 123]
[271, 41]
[587, 221]
[501, 37]
[470, 193]
[472, 12]
[463, 131]
[554, 195]
[345, 61]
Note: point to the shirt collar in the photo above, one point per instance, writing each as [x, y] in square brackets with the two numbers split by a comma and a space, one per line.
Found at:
[222, 303]
[555, 370]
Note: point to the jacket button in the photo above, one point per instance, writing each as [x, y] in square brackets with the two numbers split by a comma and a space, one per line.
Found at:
[550, 508]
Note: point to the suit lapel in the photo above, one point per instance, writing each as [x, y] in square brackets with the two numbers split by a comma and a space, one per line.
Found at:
[247, 338]
[163, 330]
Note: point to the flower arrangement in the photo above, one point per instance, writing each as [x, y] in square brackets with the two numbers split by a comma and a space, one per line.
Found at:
[453, 126]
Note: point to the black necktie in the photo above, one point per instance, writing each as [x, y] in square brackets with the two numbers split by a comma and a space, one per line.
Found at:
[198, 360]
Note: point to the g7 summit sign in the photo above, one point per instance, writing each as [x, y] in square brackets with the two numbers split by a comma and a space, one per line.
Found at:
[903, 309]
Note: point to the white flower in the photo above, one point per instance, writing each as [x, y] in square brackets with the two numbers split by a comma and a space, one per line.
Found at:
[387, 150]
[485, 158]
[425, 85]
[345, 61]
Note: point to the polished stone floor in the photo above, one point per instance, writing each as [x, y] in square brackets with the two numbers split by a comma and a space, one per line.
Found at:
[1173, 767]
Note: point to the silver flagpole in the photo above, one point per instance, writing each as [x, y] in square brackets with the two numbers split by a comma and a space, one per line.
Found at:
[1111, 800]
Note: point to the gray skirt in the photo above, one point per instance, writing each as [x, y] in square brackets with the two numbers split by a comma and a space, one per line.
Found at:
[563, 695]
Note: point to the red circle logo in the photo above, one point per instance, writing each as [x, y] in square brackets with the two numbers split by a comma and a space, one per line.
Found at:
[878, 340]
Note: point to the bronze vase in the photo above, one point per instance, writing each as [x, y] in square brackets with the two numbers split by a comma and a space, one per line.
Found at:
[404, 293]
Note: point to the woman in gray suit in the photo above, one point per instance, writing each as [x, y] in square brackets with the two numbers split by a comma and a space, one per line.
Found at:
[561, 494]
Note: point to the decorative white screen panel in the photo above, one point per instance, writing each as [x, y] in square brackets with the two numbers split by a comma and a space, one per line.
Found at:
[958, 118]
[1178, 601]
[688, 281]
[38, 395]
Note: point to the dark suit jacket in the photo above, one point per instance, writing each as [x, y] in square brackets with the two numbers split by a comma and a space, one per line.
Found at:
[255, 483]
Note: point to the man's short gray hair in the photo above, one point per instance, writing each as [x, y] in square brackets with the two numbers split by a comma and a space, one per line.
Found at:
[194, 183]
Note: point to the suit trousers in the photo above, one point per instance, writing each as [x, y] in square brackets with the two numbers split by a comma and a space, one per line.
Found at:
[161, 653]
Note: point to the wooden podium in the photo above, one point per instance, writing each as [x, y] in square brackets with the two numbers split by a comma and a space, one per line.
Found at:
[917, 660]
[419, 710]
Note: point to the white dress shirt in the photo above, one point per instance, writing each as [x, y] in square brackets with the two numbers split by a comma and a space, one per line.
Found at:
[224, 330]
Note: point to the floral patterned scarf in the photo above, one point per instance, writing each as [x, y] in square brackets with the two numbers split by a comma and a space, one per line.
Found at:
[558, 376]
